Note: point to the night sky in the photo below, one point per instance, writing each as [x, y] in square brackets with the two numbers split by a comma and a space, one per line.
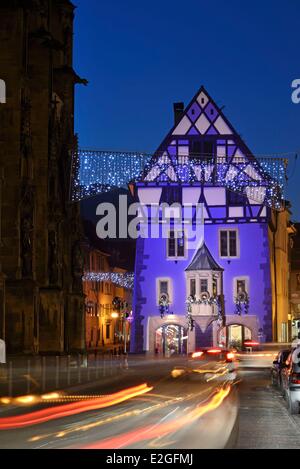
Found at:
[140, 57]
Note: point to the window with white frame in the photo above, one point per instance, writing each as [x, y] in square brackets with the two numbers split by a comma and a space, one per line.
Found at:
[240, 286]
[229, 243]
[176, 244]
[163, 287]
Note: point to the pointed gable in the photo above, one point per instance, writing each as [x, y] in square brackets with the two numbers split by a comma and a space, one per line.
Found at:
[203, 148]
[203, 260]
[202, 117]
[202, 126]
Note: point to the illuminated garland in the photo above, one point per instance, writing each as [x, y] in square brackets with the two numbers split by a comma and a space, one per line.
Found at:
[95, 172]
[242, 302]
[124, 280]
[205, 300]
[164, 305]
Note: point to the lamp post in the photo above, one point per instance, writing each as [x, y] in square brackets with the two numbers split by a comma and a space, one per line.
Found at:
[121, 306]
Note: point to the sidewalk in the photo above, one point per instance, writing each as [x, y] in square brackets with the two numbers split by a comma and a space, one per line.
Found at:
[23, 375]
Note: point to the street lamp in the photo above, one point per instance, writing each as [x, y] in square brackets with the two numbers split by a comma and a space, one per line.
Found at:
[121, 306]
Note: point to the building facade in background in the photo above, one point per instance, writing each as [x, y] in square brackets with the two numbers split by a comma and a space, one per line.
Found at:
[295, 284]
[41, 298]
[107, 301]
[226, 289]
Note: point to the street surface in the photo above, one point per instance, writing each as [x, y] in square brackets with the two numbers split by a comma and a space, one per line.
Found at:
[155, 410]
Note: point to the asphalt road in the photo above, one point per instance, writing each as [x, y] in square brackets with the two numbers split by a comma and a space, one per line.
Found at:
[204, 412]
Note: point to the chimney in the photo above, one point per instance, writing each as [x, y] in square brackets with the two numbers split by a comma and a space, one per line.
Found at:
[178, 112]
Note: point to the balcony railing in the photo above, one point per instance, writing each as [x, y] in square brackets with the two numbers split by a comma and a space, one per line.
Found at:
[204, 310]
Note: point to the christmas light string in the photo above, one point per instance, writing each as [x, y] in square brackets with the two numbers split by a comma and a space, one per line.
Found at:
[124, 280]
[95, 172]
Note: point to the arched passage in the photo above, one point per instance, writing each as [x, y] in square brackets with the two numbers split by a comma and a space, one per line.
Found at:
[170, 339]
[234, 335]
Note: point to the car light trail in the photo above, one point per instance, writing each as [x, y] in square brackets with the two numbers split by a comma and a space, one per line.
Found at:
[52, 413]
[160, 430]
[253, 355]
[126, 415]
[197, 354]
[176, 373]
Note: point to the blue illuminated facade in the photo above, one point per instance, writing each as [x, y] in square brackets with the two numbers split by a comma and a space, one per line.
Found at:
[217, 292]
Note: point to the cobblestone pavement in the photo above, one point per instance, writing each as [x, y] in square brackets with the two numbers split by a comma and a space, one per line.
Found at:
[264, 421]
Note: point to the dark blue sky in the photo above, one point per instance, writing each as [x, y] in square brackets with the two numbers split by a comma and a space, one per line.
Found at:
[140, 57]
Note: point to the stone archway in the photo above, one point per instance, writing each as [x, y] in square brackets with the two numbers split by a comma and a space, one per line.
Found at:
[234, 335]
[170, 339]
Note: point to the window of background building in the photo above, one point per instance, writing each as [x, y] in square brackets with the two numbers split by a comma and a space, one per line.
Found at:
[284, 332]
[297, 282]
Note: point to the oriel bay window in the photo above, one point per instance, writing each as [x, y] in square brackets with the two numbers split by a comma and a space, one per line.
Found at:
[176, 244]
[228, 243]
[205, 285]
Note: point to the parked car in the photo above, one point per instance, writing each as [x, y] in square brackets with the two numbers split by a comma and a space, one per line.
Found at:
[278, 364]
[291, 381]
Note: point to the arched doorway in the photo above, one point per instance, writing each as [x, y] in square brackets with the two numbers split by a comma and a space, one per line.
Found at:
[234, 336]
[170, 339]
